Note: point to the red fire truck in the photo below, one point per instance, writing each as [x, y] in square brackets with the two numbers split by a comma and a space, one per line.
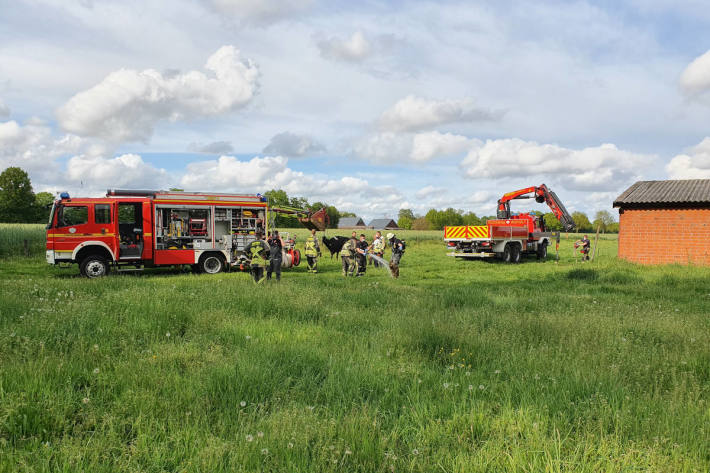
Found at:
[132, 229]
[510, 235]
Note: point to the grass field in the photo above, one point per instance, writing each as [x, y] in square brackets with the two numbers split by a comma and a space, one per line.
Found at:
[457, 366]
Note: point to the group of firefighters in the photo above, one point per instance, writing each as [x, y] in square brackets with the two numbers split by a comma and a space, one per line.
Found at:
[266, 256]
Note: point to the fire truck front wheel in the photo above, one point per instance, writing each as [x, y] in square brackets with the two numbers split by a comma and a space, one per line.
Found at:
[94, 266]
[211, 263]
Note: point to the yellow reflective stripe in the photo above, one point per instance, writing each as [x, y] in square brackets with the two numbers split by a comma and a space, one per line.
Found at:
[81, 235]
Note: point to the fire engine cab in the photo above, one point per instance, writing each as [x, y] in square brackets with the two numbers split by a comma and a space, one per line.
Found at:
[133, 229]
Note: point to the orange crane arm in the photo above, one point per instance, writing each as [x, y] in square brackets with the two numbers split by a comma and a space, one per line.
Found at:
[541, 194]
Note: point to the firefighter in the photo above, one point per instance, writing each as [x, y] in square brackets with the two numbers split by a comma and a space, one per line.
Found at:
[361, 249]
[258, 253]
[584, 246]
[312, 252]
[347, 255]
[377, 248]
[397, 246]
[276, 245]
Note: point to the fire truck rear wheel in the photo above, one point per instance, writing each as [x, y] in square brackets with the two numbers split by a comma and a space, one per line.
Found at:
[211, 264]
[516, 253]
[94, 266]
[542, 250]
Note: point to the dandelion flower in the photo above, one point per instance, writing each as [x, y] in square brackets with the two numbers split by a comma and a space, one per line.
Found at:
[468, 373]
[167, 334]
[243, 403]
[96, 371]
[264, 451]
[248, 337]
[96, 347]
[497, 371]
[415, 452]
[446, 385]
[290, 445]
[249, 437]
[481, 387]
[470, 387]
[85, 400]
[348, 451]
[260, 434]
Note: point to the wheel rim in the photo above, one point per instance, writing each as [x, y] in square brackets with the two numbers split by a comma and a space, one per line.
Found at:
[95, 269]
[212, 265]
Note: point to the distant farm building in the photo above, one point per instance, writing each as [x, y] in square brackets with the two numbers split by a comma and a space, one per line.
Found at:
[383, 224]
[665, 222]
[351, 222]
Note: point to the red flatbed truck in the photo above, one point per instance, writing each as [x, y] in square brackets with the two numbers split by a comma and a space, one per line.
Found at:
[133, 229]
[510, 235]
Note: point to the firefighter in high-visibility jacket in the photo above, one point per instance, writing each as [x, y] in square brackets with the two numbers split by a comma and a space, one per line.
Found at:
[258, 253]
[377, 248]
[347, 255]
[312, 252]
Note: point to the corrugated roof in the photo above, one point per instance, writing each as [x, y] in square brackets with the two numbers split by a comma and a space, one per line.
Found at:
[350, 222]
[688, 191]
[382, 223]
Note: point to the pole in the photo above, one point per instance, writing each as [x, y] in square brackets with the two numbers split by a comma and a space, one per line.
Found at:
[596, 240]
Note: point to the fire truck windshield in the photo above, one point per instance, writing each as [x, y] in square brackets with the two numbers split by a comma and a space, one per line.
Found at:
[51, 214]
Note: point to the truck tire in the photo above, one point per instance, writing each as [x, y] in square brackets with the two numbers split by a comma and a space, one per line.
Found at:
[516, 253]
[508, 253]
[542, 250]
[94, 266]
[211, 263]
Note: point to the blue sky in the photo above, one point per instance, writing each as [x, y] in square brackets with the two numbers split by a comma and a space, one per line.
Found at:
[371, 106]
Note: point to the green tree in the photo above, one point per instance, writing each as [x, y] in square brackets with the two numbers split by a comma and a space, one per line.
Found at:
[43, 202]
[603, 219]
[405, 219]
[581, 221]
[438, 219]
[17, 201]
[470, 218]
[420, 223]
[551, 222]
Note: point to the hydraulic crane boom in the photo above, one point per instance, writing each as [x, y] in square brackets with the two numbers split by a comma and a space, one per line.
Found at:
[541, 194]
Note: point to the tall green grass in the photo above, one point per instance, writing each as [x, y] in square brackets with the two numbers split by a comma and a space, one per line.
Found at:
[456, 366]
[13, 236]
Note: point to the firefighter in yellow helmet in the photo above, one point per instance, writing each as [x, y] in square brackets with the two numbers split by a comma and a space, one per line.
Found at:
[258, 253]
[312, 252]
[347, 255]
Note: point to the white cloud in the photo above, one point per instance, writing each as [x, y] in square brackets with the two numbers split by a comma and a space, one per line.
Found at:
[356, 48]
[127, 104]
[414, 113]
[292, 145]
[598, 168]
[694, 165]
[4, 110]
[429, 191]
[262, 12]
[696, 76]
[127, 170]
[260, 174]
[215, 147]
[395, 148]
[33, 148]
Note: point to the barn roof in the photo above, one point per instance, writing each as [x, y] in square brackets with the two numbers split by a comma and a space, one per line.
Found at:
[382, 223]
[665, 193]
[349, 222]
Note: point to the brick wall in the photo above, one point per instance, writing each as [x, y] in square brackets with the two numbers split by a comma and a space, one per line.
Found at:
[665, 236]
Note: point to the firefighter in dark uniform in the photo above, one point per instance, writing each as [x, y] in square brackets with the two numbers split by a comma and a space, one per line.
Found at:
[312, 252]
[584, 246]
[397, 246]
[276, 245]
[258, 252]
[361, 249]
[347, 255]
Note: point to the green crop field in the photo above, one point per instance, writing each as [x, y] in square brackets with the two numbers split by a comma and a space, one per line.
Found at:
[457, 366]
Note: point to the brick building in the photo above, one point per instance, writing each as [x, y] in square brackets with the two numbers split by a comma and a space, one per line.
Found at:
[665, 222]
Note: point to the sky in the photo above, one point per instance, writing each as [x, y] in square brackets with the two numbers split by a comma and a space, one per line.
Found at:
[371, 106]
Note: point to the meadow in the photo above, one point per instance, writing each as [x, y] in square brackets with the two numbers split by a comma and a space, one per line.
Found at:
[458, 366]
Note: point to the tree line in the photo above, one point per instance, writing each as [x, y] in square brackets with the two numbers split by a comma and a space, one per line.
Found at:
[18, 202]
[437, 219]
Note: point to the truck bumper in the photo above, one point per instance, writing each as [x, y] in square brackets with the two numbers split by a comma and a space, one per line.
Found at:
[481, 254]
